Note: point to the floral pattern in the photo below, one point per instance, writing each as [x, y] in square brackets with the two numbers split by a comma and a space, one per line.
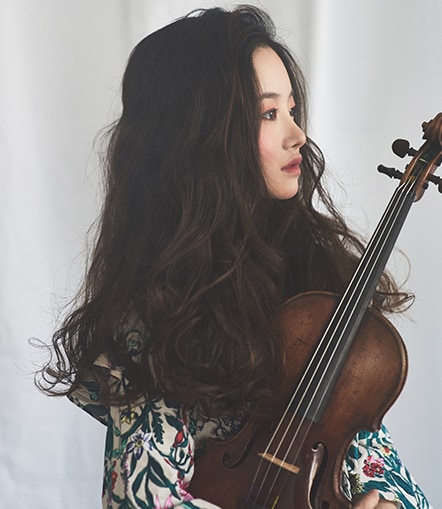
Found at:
[373, 467]
[138, 443]
[151, 447]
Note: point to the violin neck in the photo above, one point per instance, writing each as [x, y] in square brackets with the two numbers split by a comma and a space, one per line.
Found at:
[318, 380]
[363, 284]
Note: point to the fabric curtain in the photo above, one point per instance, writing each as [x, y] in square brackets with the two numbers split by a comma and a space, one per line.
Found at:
[374, 74]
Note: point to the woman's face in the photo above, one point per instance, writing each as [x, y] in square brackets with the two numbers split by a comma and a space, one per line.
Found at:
[280, 139]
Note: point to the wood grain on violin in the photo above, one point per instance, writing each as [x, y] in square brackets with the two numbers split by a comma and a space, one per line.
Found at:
[346, 365]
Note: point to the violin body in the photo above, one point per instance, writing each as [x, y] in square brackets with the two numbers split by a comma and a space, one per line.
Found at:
[234, 474]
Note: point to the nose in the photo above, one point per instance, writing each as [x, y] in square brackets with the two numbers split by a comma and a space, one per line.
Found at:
[295, 136]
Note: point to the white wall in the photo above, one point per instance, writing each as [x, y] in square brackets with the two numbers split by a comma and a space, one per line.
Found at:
[375, 75]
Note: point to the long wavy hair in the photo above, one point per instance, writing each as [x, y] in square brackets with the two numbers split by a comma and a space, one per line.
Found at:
[189, 237]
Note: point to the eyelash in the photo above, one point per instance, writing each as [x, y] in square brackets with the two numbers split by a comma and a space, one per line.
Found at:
[274, 111]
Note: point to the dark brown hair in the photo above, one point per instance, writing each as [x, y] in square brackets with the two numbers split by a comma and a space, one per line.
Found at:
[189, 237]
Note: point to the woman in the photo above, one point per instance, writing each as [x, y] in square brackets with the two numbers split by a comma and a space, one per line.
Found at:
[208, 226]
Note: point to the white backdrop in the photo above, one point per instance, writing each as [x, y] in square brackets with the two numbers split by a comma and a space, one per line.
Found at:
[375, 74]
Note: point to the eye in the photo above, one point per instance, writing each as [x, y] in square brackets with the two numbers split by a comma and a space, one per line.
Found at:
[292, 112]
[271, 114]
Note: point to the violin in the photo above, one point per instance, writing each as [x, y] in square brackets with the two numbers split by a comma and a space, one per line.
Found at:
[346, 365]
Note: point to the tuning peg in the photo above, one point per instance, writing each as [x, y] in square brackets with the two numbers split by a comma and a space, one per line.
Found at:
[436, 180]
[402, 148]
[391, 172]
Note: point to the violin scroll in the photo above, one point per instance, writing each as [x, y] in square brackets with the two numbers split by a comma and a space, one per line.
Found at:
[433, 130]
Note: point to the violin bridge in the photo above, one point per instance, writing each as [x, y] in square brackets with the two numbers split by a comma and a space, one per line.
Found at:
[280, 463]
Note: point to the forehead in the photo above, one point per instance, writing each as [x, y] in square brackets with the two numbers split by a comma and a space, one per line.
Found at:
[270, 72]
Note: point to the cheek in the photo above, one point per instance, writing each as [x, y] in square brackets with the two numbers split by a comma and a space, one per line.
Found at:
[281, 186]
[266, 148]
[266, 155]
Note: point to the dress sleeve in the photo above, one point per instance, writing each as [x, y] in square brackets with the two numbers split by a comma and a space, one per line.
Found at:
[373, 463]
[149, 458]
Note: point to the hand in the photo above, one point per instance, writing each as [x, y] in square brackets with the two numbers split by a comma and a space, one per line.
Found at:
[372, 500]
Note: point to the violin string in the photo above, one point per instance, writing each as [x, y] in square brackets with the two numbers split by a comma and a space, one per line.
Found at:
[354, 295]
[294, 414]
[318, 364]
[313, 360]
[397, 203]
[404, 193]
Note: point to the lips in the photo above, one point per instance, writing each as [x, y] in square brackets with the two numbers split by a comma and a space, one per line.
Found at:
[293, 166]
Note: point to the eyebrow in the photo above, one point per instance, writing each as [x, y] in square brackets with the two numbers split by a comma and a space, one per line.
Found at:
[274, 95]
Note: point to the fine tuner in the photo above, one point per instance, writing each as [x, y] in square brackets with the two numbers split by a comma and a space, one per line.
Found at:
[428, 157]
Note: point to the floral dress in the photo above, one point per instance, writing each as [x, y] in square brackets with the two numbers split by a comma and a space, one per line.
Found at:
[151, 447]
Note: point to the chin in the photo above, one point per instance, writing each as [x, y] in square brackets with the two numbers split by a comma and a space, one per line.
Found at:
[287, 194]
